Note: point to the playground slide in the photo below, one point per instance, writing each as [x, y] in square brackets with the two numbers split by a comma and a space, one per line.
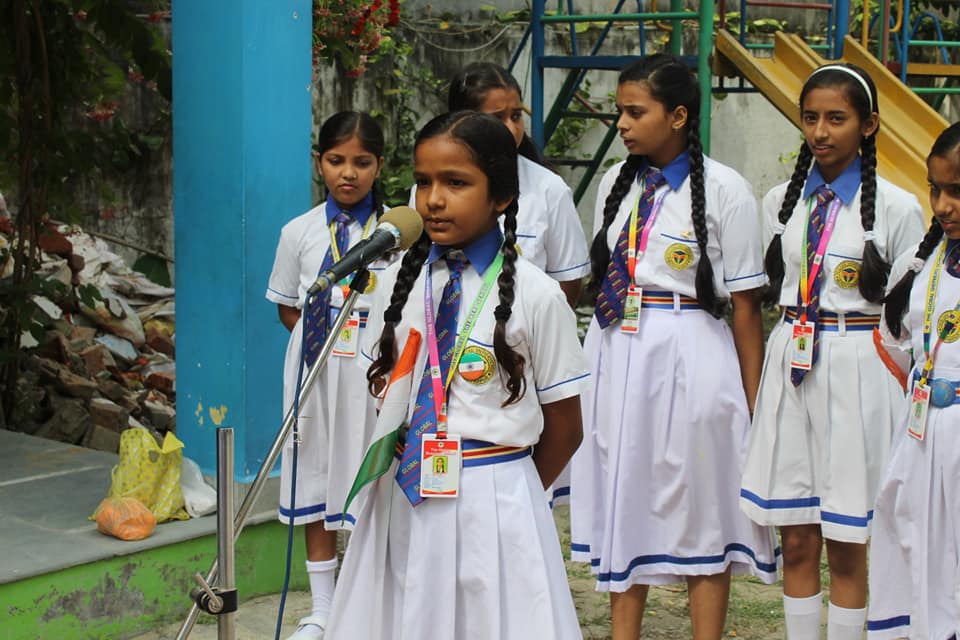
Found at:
[908, 125]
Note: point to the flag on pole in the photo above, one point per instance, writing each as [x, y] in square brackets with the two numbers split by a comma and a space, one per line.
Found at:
[391, 419]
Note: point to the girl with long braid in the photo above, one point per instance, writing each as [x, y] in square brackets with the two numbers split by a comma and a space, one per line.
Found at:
[337, 416]
[654, 492]
[825, 411]
[497, 382]
[913, 557]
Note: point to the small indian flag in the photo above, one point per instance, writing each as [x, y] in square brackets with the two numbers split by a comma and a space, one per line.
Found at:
[471, 367]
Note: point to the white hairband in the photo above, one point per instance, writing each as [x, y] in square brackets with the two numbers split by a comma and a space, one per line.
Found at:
[916, 265]
[850, 72]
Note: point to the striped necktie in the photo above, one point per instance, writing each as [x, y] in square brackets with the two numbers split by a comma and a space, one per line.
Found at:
[818, 217]
[316, 324]
[613, 291]
[424, 419]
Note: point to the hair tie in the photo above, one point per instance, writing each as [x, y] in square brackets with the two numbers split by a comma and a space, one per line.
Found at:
[779, 228]
[916, 265]
[869, 236]
[856, 76]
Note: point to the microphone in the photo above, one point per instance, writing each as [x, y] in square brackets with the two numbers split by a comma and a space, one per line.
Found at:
[399, 227]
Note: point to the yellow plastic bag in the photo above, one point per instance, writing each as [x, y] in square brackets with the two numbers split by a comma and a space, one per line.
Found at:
[150, 473]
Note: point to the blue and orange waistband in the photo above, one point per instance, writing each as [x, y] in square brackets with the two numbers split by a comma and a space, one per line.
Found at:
[830, 321]
[479, 453]
[654, 299]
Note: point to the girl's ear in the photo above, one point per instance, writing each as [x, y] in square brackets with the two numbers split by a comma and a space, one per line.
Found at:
[678, 118]
[501, 205]
[380, 162]
[870, 125]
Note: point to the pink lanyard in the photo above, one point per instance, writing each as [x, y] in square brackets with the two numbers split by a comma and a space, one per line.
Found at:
[807, 280]
[633, 251]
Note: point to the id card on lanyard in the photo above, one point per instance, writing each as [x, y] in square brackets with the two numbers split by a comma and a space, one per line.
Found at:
[632, 304]
[440, 453]
[920, 398]
[804, 331]
[349, 339]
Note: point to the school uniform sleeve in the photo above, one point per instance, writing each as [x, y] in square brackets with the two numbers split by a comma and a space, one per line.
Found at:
[559, 366]
[284, 284]
[740, 236]
[904, 217]
[899, 348]
[770, 210]
[566, 246]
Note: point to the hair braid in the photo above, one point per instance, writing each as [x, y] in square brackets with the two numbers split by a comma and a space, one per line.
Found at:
[773, 259]
[600, 250]
[409, 272]
[706, 291]
[377, 192]
[875, 270]
[895, 303]
[509, 360]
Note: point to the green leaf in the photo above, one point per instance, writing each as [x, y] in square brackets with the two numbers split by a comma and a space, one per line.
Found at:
[154, 267]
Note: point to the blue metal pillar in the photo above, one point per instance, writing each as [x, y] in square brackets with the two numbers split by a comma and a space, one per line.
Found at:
[241, 146]
[537, 112]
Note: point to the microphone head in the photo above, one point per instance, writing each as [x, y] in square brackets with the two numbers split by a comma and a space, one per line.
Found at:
[407, 222]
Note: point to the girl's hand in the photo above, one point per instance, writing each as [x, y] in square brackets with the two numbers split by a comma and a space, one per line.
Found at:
[288, 316]
[747, 326]
[562, 433]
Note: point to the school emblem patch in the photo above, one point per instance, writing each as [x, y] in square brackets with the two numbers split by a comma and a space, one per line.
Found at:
[847, 274]
[477, 365]
[678, 256]
[949, 324]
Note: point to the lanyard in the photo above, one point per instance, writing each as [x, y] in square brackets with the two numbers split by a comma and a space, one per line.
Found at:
[808, 274]
[932, 285]
[633, 252]
[440, 386]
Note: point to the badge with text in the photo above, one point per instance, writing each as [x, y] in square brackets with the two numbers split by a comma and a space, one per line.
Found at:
[440, 466]
[847, 274]
[802, 345]
[919, 403]
[631, 309]
[349, 338]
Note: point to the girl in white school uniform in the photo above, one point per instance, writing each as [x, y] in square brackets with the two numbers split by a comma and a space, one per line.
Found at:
[549, 233]
[914, 567]
[825, 411]
[503, 372]
[655, 483]
[337, 416]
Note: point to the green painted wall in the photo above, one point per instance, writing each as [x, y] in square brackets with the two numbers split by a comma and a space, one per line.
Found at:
[127, 595]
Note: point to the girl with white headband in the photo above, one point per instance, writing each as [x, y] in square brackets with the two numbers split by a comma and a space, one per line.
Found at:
[826, 407]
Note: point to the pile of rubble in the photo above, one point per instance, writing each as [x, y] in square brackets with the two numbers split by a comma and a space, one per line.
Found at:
[99, 369]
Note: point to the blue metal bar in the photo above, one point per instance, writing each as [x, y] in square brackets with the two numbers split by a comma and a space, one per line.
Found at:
[574, 49]
[743, 22]
[519, 50]
[536, 80]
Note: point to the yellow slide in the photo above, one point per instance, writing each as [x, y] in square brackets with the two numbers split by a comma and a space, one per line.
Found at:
[908, 125]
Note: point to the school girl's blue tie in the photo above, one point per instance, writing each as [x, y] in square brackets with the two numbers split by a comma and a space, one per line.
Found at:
[316, 323]
[818, 217]
[424, 419]
[613, 290]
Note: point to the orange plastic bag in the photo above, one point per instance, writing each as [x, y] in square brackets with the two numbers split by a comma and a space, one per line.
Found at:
[124, 518]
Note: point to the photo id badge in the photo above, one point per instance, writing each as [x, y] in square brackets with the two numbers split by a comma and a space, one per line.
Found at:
[631, 310]
[802, 345]
[349, 338]
[919, 403]
[439, 466]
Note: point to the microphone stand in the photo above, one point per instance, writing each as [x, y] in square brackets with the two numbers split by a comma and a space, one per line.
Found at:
[357, 286]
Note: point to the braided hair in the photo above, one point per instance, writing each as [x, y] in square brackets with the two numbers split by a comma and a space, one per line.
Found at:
[874, 270]
[672, 84]
[491, 147]
[343, 126]
[469, 88]
[895, 304]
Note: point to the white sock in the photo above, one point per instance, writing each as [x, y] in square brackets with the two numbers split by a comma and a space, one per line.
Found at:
[803, 617]
[321, 585]
[845, 624]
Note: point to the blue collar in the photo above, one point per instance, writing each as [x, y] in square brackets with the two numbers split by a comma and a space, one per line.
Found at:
[675, 172]
[845, 186]
[360, 212]
[480, 253]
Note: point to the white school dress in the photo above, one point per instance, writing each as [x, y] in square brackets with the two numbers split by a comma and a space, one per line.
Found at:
[655, 482]
[486, 565]
[914, 565]
[817, 451]
[549, 233]
[338, 414]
